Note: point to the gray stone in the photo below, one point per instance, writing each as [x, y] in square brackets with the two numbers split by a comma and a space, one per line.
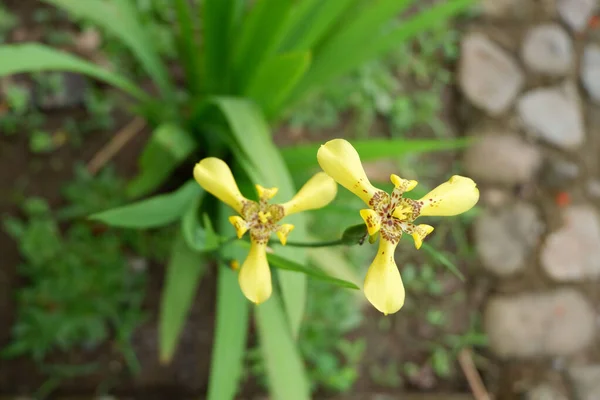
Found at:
[572, 253]
[502, 158]
[590, 71]
[576, 13]
[587, 381]
[558, 323]
[554, 115]
[505, 239]
[545, 391]
[548, 49]
[488, 76]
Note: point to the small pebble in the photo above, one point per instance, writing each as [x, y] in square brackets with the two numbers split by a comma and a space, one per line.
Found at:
[587, 381]
[488, 76]
[590, 71]
[576, 13]
[557, 323]
[547, 49]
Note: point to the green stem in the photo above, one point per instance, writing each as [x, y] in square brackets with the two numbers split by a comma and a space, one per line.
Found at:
[329, 243]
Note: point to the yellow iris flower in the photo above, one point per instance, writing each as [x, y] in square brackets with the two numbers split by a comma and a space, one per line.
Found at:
[260, 218]
[390, 215]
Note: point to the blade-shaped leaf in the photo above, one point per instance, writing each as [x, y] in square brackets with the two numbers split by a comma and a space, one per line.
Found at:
[184, 271]
[442, 259]
[168, 146]
[287, 378]
[231, 327]
[264, 164]
[153, 212]
[187, 45]
[33, 57]
[259, 38]
[119, 18]
[311, 20]
[304, 157]
[276, 79]
[220, 18]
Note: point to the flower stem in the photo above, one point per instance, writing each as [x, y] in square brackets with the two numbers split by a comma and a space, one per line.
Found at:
[329, 243]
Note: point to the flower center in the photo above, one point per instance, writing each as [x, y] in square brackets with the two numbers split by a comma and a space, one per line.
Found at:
[395, 212]
[262, 219]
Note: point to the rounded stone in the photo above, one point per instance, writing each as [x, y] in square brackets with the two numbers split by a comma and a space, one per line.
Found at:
[572, 253]
[558, 323]
[502, 158]
[505, 239]
[554, 115]
[587, 381]
[576, 13]
[547, 49]
[488, 76]
[590, 71]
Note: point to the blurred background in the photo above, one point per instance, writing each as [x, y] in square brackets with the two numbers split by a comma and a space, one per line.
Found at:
[502, 304]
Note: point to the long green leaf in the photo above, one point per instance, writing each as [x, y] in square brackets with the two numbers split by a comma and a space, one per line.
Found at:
[231, 327]
[168, 146]
[153, 212]
[188, 46]
[276, 79]
[442, 259]
[184, 272]
[303, 158]
[219, 18]
[119, 18]
[287, 378]
[264, 165]
[259, 38]
[33, 57]
[311, 20]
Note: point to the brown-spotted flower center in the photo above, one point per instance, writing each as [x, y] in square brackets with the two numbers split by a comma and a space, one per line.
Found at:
[261, 218]
[391, 215]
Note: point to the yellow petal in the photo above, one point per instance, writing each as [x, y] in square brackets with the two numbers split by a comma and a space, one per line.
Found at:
[383, 285]
[283, 232]
[404, 185]
[317, 192]
[240, 225]
[255, 275]
[266, 193]
[216, 178]
[372, 220]
[419, 234]
[341, 161]
[454, 197]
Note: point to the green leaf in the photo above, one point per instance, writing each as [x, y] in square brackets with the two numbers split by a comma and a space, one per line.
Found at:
[184, 271]
[264, 165]
[187, 45]
[272, 84]
[304, 157]
[219, 18]
[119, 18]
[311, 20]
[259, 38]
[32, 57]
[193, 233]
[287, 378]
[283, 263]
[168, 146]
[153, 212]
[442, 259]
[231, 327]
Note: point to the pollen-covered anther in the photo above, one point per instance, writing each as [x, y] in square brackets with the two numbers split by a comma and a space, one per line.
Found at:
[266, 193]
[264, 217]
[372, 220]
[283, 232]
[240, 225]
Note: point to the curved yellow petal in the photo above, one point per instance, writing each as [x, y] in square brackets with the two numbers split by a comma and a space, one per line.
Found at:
[402, 185]
[341, 162]
[372, 220]
[317, 192]
[454, 197]
[266, 194]
[216, 178]
[255, 275]
[240, 225]
[283, 232]
[419, 233]
[383, 284]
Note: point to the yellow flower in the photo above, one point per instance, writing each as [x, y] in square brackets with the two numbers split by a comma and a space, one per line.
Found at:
[391, 215]
[260, 218]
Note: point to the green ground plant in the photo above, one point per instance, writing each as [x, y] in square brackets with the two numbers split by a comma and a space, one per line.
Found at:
[256, 61]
